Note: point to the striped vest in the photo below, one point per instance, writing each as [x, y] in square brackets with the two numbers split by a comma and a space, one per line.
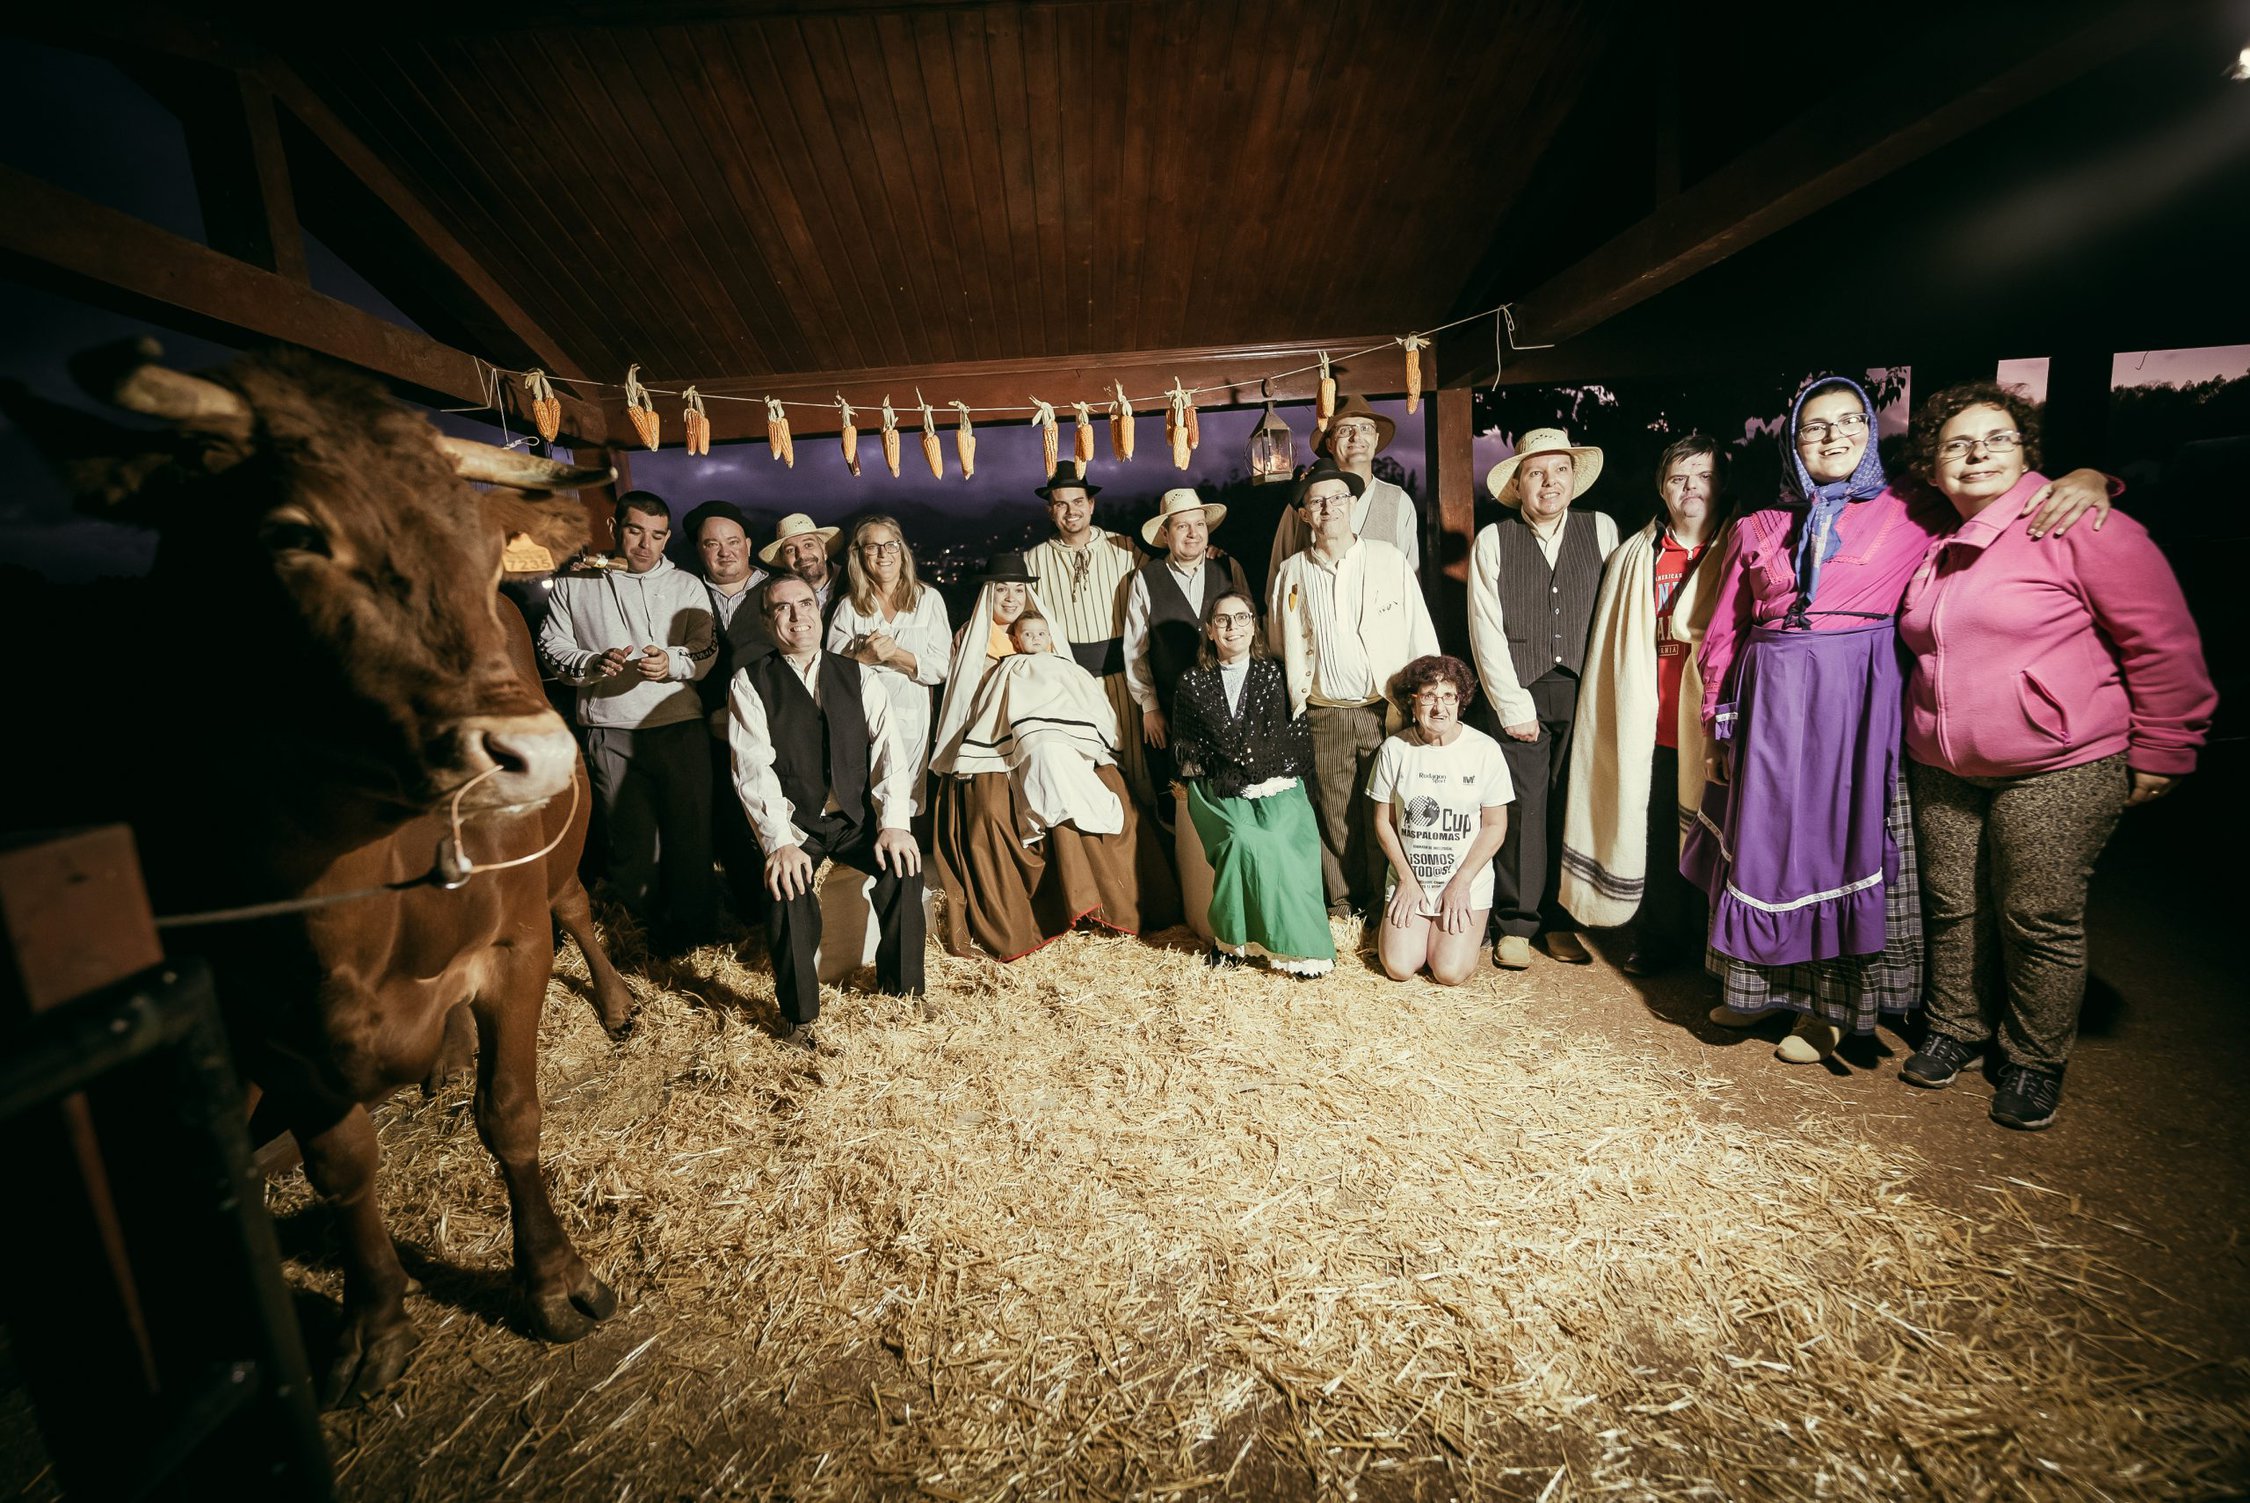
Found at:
[1548, 610]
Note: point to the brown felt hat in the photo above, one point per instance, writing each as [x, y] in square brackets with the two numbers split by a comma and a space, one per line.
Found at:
[1355, 406]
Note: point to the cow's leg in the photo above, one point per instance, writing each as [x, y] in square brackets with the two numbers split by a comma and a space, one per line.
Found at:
[377, 1338]
[613, 998]
[456, 1052]
[561, 1296]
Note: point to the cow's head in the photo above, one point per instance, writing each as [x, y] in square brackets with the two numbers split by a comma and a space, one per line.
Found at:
[342, 573]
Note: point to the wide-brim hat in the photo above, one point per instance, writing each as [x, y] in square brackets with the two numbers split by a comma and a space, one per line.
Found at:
[1325, 469]
[1586, 464]
[1355, 406]
[1067, 476]
[1006, 568]
[796, 525]
[1183, 499]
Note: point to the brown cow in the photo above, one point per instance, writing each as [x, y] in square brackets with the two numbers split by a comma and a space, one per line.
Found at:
[335, 687]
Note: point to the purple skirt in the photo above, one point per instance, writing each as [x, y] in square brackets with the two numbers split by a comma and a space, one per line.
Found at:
[1794, 851]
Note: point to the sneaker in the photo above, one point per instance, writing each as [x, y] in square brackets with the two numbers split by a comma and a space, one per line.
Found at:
[2027, 1098]
[1934, 1065]
[1512, 952]
[1810, 1042]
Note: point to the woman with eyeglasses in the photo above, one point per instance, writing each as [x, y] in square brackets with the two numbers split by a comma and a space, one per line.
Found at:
[1443, 792]
[1805, 839]
[896, 625]
[1244, 760]
[2053, 687]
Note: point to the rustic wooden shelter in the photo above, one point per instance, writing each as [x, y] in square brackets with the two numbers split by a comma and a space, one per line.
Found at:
[810, 197]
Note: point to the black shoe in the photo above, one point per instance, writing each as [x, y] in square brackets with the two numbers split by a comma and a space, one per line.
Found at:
[1934, 1065]
[1562, 945]
[2027, 1098]
[1216, 957]
[1640, 962]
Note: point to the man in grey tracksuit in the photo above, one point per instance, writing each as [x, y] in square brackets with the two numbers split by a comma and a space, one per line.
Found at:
[634, 641]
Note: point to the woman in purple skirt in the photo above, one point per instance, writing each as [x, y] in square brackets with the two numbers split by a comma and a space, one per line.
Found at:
[1805, 841]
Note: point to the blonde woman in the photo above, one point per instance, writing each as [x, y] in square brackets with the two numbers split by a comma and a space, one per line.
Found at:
[893, 624]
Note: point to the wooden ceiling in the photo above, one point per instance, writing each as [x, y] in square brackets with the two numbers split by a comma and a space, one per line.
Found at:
[821, 187]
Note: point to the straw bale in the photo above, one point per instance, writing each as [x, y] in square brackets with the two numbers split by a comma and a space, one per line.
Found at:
[1105, 1223]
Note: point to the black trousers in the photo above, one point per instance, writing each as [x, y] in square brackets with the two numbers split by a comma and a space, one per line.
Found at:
[654, 787]
[1675, 917]
[1528, 869]
[793, 924]
[733, 841]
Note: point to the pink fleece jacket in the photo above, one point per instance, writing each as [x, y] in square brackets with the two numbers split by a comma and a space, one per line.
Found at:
[2032, 656]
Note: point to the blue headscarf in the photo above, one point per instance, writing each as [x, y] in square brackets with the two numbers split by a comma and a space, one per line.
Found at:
[1823, 504]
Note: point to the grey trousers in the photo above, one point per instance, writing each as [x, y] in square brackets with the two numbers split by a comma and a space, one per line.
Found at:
[1529, 867]
[1344, 742]
[2005, 867]
[655, 792]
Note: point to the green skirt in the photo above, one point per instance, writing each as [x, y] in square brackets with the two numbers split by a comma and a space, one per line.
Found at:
[1265, 875]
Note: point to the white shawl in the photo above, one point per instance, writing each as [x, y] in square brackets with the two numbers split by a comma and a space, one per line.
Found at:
[1613, 741]
[1048, 723]
[967, 671]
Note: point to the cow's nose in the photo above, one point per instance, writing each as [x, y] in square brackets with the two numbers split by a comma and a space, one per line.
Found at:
[520, 759]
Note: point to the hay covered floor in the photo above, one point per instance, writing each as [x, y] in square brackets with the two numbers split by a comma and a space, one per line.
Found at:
[1106, 1223]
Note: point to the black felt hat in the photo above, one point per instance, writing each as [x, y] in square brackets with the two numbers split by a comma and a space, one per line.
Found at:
[1067, 476]
[1321, 469]
[1006, 568]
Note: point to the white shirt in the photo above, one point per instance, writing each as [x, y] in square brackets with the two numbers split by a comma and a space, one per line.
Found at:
[1329, 608]
[1290, 534]
[890, 775]
[1437, 797]
[1232, 676]
[1488, 633]
[1138, 683]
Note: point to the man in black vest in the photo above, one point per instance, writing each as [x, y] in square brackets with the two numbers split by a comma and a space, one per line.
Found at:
[821, 775]
[721, 535]
[1533, 578]
[1164, 617]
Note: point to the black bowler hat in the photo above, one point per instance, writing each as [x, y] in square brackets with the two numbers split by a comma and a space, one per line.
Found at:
[1326, 469]
[1006, 568]
[1067, 475]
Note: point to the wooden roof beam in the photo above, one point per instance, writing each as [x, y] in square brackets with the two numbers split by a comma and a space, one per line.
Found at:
[1826, 155]
[111, 259]
[1233, 370]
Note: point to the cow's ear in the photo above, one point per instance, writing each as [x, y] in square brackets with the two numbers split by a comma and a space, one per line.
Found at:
[119, 473]
[554, 522]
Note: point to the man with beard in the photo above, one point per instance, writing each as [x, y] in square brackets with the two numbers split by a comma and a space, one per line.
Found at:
[808, 552]
[1083, 573]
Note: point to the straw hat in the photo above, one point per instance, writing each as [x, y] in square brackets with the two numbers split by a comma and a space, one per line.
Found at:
[1183, 499]
[1355, 406]
[796, 525]
[1067, 474]
[1586, 464]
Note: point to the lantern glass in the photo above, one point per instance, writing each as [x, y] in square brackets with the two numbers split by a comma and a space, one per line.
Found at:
[1273, 452]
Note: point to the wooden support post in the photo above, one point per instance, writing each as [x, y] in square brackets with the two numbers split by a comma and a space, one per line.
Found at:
[601, 502]
[1450, 461]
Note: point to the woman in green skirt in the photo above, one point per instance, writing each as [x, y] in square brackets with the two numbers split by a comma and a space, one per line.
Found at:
[1244, 760]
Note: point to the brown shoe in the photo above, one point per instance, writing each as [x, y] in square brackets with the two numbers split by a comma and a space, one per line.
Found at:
[1512, 952]
[1562, 945]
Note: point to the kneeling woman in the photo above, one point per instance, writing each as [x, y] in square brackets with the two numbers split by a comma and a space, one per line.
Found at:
[1445, 792]
[1034, 829]
[1244, 762]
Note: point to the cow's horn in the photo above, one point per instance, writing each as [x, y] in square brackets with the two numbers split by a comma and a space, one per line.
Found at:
[129, 375]
[491, 465]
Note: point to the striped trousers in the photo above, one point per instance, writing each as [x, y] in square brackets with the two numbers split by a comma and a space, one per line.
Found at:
[1344, 742]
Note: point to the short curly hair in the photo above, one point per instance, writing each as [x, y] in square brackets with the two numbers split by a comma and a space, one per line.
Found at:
[1950, 403]
[1429, 669]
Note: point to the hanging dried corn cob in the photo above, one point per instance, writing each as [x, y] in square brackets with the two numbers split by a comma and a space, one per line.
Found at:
[777, 434]
[1415, 344]
[1121, 426]
[1176, 424]
[1194, 426]
[850, 435]
[890, 437]
[546, 407]
[1083, 444]
[1050, 440]
[1324, 407]
[639, 409]
[965, 442]
[930, 450]
[696, 422]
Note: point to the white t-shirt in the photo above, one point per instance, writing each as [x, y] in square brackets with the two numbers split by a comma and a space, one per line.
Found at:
[1441, 793]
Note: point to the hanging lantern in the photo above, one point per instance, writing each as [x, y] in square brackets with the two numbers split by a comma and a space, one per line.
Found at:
[1273, 451]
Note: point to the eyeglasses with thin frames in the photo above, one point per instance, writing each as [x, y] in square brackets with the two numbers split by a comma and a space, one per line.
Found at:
[1992, 443]
[1234, 618]
[881, 550]
[1850, 425]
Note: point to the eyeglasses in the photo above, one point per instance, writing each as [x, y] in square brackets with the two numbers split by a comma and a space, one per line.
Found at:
[1850, 425]
[1364, 429]
[1234, 618]
[881, 550]
[1322, 503]
[1991, 443]
[1444, 696]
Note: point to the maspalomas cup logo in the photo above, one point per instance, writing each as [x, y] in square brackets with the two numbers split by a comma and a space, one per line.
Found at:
[1422, 811]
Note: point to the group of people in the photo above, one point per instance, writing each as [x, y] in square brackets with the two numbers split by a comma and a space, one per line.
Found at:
[1869, 717]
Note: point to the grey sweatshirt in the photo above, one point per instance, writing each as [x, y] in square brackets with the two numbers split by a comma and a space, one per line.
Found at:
[592, 613]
